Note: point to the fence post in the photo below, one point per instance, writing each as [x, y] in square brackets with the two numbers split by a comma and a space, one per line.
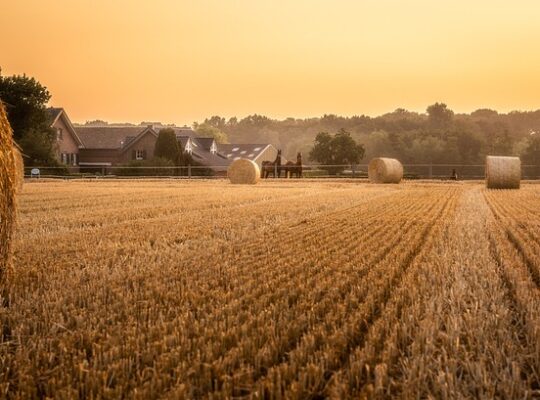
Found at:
[275, 170]
[189, 171]
[430, 170]
[352, 168]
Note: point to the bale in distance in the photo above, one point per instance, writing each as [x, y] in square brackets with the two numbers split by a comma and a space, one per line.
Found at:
[8, 189]
[244, 171]
[385, 170]
[503, 172]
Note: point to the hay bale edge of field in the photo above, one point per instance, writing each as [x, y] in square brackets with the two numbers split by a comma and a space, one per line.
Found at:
[385, 170]
[19, 168]
[8, 190]
[243, 171]
[503, 172]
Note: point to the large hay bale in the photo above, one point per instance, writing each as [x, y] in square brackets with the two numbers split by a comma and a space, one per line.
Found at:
[385, 170]
[244, 171]
[8, 188]
[503, 172]
[19, 168]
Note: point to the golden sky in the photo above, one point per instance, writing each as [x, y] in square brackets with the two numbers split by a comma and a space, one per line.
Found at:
[180, 61]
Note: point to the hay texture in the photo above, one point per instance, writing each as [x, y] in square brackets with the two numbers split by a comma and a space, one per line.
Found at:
[8, 188]
[244, 171]
[503, 172]
[385, 170]
[19, 168]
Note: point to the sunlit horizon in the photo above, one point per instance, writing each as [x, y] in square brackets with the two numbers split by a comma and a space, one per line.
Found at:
[180, 62]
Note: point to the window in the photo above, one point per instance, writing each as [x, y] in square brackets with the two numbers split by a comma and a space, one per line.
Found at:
[59, 134]
[75, 159]
[213, 148]
[189, 150]
[139, 154]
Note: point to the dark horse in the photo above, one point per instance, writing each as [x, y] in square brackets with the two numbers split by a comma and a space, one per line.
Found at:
[269, 167]
[292, 168]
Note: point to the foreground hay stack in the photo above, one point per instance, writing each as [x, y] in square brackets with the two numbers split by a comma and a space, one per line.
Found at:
[385, 170]
[243, 171]
[503, 172]
[19, 168]
[8, 189]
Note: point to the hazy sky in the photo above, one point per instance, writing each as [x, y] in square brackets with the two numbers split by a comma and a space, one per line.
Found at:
[180, 61]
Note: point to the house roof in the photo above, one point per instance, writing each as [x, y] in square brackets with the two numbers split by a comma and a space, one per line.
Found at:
[58, 112]
[204, 142]
[235, 151]
[54, 113]
[108, 137]
[216, 161]
[183, 140]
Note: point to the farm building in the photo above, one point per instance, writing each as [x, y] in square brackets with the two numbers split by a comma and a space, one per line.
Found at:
[68, 142]
[97, 148]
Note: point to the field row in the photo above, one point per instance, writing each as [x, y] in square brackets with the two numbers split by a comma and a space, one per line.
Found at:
[289, 290]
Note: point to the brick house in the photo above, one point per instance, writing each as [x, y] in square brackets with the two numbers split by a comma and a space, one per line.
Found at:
[110, 145]
[98, 148]
[68, 142]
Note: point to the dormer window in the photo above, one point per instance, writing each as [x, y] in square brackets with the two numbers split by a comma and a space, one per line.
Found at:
[213, 148]
[139, 154]
[189, 149]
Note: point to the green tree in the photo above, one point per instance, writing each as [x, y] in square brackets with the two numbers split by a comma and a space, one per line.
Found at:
[167, 146]
[340, 149]
[207, 130]
[531, 155]
[440, 116]
[26, 101]
[503, 145]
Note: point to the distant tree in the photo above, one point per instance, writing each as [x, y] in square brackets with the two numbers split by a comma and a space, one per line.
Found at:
[484, 113]
[531, 155]
[167, 146]
[503, 145]
[96, 122]
[216, 121]
[206, 130]
[338, 149]
[439, 115]
[26, 100]
[469, 146]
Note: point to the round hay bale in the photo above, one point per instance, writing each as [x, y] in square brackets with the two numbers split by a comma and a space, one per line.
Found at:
[19, 168]
[244, 171]
[503, 172]
[385, 170]
[8, 188]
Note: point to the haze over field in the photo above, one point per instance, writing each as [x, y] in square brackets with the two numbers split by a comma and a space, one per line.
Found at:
[180, 61]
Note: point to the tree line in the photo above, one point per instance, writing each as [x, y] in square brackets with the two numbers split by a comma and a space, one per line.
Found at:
[438, 136]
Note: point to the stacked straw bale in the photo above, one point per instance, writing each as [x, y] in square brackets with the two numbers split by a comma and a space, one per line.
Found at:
[503, 172]
[385, 170]
[8, 189]
[244, 171]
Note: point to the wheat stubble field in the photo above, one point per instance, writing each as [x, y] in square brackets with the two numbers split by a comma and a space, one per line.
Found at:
[302, 289]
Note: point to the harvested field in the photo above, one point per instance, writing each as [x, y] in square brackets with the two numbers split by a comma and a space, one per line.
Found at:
[286, 289]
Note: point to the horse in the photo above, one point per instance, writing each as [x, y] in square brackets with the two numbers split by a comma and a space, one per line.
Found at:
[269, 167]
[292, 168]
